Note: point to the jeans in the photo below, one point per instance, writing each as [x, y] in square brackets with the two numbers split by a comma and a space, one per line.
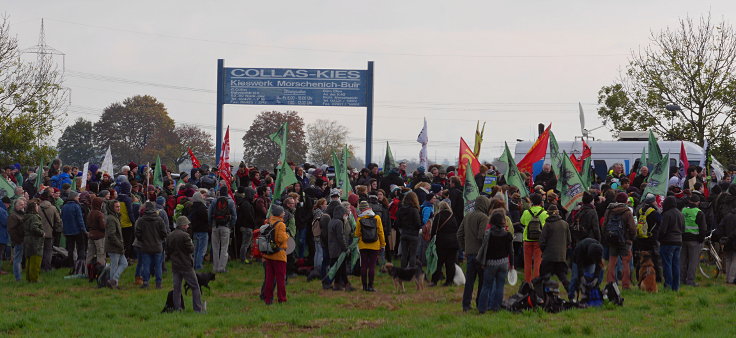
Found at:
[220, 242]
[671, 265]
[76, 243]
[421, 248]
[147, 261]
[317, 254]
[48, 250]
[408, 251]
[191, 278]
[245, 243]
[301, 242]
[729, 265]
[575, 280]
[118, 263]
[473, 272]
[17, 261]
[200, 247]
[689, 260]
[491, 295]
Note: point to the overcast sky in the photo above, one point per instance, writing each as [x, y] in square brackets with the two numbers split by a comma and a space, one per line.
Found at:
[510, 64]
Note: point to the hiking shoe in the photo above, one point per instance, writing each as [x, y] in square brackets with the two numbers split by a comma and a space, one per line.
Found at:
[158, 285]
[370, 289]
[144, 285]
[138, 280]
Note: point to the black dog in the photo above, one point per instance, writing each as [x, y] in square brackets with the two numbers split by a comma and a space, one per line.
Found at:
[169, 307]
[203, 279]
[401, 275]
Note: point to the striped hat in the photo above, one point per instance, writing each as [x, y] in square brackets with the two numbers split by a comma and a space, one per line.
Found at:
[363, 206]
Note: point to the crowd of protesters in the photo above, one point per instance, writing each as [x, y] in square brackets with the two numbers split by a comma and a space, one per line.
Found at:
[194, 217]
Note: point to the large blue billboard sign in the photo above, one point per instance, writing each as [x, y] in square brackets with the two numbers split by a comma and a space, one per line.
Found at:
[295, 86]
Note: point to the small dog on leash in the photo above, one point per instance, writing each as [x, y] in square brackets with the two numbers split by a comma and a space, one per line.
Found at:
[203, 279]
[401, 275]
[647, 274]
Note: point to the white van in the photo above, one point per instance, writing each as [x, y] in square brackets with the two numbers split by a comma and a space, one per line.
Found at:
[606, 153]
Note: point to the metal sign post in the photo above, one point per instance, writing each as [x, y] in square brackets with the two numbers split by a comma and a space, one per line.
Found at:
[295, 86]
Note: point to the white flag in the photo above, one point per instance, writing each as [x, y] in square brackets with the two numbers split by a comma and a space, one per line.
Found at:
[107, 163]
[423, 138]
[705, 153]
[84, 176]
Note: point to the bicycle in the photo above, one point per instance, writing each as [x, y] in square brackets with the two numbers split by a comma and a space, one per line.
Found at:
[710, 261]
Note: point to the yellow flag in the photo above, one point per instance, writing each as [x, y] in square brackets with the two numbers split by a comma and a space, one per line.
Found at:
[478, 138]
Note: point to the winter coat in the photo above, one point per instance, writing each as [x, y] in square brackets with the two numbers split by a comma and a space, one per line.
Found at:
[150, 232]
[727, 229]
[261, 210]
[526, 218]
[381, 242]
[457, 203]
[627, 217]
[547, 180]
[33, 234]
[96, 220]
[113, 231]
[444, 226]
[672, 225]
[587, 217]
[409, 221]
[497, 244]
[15, 227]
[280, 237]
[50, 219]
[338, 232]
[72, 218]
[230, 205]
[555, 239]
[198, 217]
[180, 248]
[724, 203]
[472, 229]
[246, 212]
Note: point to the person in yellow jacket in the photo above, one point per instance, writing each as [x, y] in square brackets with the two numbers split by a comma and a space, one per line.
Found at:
[276, 262]
[533, 221]
[369, 230]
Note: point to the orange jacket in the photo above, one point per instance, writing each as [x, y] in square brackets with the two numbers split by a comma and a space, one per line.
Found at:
[280, 237]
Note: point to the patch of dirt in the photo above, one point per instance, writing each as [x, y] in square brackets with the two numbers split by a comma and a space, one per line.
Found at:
[281, 328]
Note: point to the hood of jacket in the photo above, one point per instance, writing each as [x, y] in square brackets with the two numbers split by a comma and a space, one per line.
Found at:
[482, 204]
[617, 207]
[197, 197]
[367, 212]
[339, 212]
[109, 208]
[669, 203]
[249, 193]
[97, 203]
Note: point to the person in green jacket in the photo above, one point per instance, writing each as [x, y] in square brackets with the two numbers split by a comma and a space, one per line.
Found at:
[533, 220]
[33, 241]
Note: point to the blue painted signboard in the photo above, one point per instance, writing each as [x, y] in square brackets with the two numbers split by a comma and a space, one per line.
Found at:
[295, 86]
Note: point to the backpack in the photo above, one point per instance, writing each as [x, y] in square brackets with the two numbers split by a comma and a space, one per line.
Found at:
[614, 230]
[265, 240]
[576, 230]
[368, 230]
[534, 229]
[221, 215]
[613, 294]
[316, 228]
[642, 227]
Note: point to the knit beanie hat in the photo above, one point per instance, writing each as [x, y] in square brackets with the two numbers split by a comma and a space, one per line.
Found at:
[622, 197]
[363, 206]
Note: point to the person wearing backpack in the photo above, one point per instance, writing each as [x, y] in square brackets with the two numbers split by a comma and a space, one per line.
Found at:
[533, 220]
[647, 225]
[371, 241]
[619, 231]
[669, 235]
[275, 262]
[222, 217]
[692, 240]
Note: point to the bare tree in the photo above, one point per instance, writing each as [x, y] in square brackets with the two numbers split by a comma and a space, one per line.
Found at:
[324, 137]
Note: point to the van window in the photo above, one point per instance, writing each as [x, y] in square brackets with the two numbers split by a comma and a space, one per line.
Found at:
[601, 169]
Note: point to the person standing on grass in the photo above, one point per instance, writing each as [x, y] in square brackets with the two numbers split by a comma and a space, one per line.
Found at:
[75, 229]
[496, 255]
[114, 245]
[554, 242]
[180, 248]
[369, 230]
[445, 228]
[150, 233]
[619, 229]
[410, 222]
[670, 236]
[727, 236]
[275, 263]
[533, 221]
[33, 240]
[51, 221]
[17, 234]
[200, 228]
[222, 216]
[339, 234]
[470, 238]
[692, 240]
[4, 238]
[97, 228]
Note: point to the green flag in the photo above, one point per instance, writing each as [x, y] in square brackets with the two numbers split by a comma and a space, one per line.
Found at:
[39, 174]
[470, 190]
[345, 174]
[4, 185]
[642, 160]
[587, 174]
[658, 178]
[388, 161]
[512, 174]
[285, 176]
[158, 178]
[572, 187]
[554, 155]
[655, 154]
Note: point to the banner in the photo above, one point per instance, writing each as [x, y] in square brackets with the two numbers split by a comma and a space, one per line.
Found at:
[470, 191]
[195, 161]
[423, 138]
[684, 164]
[572, 187]
[536, 153]
[489, 182]
[658, 178]
[466, 156]
[223, 167]
[106, 166]
[478, 138]
[158, 178]
[85, 175]
[655, 154]
[285, 176]
[388, 161]
[512, 174]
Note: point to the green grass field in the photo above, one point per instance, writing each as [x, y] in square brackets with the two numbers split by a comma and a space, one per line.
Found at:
[63, 307]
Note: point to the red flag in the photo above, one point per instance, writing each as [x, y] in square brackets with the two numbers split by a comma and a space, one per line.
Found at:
[683, 158]
[586, 152]
[466, 155]
[536, 153]
[195, 161]
[577, 163]
[223, 169]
